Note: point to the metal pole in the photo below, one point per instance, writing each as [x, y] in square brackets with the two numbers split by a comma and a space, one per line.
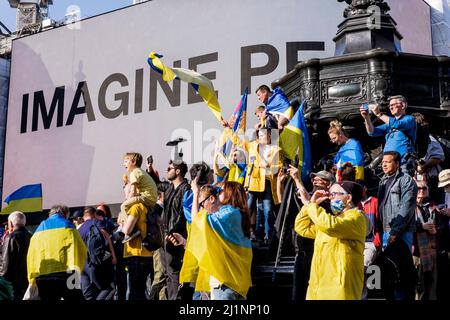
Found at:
[289, 185]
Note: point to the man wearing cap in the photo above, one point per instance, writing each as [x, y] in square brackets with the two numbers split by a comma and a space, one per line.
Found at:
[77, 218]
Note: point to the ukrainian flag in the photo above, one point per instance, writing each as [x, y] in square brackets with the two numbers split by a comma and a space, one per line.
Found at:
[56, 246]
[278, 103]
[199, 82]
[350, 152]
[217, 244]
[237, 172]
[238, 119]
[26, 199]
[294, 141]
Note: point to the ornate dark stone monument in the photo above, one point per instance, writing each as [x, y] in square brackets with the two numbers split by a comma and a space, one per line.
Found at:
[369, 66]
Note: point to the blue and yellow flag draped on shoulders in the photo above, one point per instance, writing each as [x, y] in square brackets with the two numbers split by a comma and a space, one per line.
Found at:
[56, 246]
[217, 245]
[351, 152]
[199, 82]
[278, 103]
[294, 141]
[26, 199]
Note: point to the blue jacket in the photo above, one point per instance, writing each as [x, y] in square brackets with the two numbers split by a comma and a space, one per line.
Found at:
[398, 210]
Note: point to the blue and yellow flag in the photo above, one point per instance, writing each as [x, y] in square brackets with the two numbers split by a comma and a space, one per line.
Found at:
[350, 152]
[294, 141]
[239, 120]
[26, 199]
[56, 246]
[218, 246]
[199, 82]
[278, 103]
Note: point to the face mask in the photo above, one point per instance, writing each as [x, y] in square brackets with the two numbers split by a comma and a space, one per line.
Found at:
[337, 206]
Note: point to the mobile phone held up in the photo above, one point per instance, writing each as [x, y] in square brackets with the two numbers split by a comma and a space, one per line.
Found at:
[150, 159]
[366, 107]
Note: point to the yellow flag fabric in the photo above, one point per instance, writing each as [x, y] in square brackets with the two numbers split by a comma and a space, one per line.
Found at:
[200, 83]
[217, 244]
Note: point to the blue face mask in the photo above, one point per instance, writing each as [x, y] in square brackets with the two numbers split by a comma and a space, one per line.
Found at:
[337, 206]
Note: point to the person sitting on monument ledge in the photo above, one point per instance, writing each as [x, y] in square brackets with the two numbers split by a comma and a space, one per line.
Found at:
[277, 102]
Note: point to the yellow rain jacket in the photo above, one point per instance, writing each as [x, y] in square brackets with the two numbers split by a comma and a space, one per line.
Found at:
[257, 173]
[337, 269]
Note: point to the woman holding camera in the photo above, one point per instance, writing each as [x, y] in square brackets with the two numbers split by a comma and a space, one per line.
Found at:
[337, 269]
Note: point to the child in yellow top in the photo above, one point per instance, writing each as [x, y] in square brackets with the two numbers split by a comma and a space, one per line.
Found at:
[142, 188]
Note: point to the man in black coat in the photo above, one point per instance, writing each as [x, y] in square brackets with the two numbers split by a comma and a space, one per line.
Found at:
[14, 254]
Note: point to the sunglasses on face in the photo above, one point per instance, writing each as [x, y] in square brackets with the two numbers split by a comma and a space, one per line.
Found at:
[200, 205]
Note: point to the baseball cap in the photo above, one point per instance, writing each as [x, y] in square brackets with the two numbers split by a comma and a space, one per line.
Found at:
[76, 214]
[324, 175]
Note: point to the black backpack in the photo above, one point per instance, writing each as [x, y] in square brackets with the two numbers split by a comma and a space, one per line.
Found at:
[97, 245]
[153, 240]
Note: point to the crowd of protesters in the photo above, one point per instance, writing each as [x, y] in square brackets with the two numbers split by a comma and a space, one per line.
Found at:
[210, 226]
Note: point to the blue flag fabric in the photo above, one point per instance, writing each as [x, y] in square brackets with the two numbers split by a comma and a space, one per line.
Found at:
[26, 199]
[278, 103]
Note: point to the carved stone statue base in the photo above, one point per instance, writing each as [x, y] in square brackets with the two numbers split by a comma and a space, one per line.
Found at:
[363, 32]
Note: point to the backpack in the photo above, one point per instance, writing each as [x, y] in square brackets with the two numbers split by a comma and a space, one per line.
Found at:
[97, 245]
[153, 240]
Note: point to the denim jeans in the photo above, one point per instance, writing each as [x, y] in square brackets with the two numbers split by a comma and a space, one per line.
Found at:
[225, 293]
[138, 270]
[265, 218]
